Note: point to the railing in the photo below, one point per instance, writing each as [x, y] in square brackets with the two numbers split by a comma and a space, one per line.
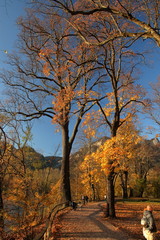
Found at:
[45, 233]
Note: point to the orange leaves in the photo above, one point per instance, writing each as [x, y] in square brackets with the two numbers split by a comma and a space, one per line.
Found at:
[109, 155]
[46, 69]
[90, 173]
[43, 55]
[63, 98]
[63, 101]
[83, 96]
[88, 124]
[26, 205]
[62, 105]
[89, 132]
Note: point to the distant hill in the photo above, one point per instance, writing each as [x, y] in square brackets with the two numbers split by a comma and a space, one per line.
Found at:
[52, 161]
[78, 156]
[36, 160]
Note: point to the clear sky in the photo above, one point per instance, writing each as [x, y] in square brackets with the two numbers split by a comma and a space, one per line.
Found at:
[45, 139]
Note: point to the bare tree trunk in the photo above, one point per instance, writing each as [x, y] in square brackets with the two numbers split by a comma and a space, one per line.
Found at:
[124, 183]
[110, 179]
[65, 168]
[110, 195]
[93, 191]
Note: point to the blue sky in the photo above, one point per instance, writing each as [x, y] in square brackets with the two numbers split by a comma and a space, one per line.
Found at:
[9, 11]
[45, 139]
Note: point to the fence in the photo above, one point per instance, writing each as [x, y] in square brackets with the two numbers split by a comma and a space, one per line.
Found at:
[45, 233]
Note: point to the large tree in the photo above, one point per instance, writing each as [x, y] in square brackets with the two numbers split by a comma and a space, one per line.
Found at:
[51, 77]
[118, 66]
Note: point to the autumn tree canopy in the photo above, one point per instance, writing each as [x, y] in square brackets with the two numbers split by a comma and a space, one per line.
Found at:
[135, 19]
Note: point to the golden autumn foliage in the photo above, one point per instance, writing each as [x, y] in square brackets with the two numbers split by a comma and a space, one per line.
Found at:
[62, 104]
[116, 153]
[89, 124]
[28, 204]
[116, 156]
[92, 178]
[28, 195]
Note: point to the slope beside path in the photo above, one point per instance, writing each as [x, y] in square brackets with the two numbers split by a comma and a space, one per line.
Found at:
[88, 223]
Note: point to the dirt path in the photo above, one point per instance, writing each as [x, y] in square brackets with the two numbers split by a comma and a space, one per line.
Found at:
[88, 224]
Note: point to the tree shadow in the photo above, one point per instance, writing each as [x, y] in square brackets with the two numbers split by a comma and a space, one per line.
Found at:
[96, 230]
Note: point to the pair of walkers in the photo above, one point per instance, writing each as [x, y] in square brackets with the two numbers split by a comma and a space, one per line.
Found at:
[148, 222]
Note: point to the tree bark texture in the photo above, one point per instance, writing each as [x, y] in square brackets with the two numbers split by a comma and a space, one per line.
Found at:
[65, 167]
[124, 183]
[110, 196]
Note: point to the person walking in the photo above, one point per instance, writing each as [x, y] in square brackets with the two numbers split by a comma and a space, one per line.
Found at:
[149, 228]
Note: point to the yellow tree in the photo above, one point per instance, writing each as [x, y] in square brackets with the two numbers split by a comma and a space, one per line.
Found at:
[115, 155]
[86, 144]
[128, 139]
[92, 177]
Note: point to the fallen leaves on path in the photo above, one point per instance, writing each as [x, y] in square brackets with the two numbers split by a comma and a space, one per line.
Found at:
[128, 217]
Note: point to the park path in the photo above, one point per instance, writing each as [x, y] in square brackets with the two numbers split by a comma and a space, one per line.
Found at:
[88, 223]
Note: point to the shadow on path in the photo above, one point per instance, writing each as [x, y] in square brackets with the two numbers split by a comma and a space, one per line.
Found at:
[89, 223]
